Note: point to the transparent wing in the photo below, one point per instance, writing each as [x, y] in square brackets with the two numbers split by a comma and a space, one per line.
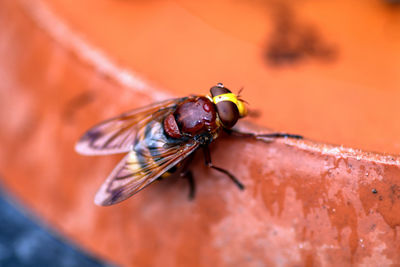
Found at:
[117, 135]
[151, 157]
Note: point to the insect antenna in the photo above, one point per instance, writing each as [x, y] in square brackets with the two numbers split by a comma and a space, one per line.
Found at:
[240, 91]
[239, 96]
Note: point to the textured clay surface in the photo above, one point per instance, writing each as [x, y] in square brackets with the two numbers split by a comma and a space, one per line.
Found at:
[308, 69]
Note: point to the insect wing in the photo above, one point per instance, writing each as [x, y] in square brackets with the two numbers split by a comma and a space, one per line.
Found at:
[141, 167]
[117, 135]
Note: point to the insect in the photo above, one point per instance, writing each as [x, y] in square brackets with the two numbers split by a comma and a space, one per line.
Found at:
[160, 140]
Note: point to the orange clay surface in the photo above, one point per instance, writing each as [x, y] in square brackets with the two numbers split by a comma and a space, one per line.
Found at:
[328, 70]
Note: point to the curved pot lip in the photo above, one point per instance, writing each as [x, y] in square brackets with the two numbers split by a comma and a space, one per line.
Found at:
[328, 149]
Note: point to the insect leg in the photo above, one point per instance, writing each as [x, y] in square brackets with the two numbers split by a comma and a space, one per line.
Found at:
[187, 174]
[258, 136]
[207, 158]
[192, 186]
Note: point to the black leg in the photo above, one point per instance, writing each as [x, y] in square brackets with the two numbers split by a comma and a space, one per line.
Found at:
[192, 186]
[187, 174]
[207, 158]
[257, 136]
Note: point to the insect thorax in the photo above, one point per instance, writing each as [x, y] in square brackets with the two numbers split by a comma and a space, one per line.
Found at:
[192, 117]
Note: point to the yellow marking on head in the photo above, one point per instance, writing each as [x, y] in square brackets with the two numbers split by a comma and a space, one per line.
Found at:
[233, 98]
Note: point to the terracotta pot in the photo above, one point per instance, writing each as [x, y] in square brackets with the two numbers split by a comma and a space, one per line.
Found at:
[325, 70]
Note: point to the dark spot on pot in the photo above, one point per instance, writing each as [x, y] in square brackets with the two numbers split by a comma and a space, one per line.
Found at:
[292, 41]
[76, 103]
[392, 2]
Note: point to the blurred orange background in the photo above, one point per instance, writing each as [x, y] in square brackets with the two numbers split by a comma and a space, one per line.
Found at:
[328, 70]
